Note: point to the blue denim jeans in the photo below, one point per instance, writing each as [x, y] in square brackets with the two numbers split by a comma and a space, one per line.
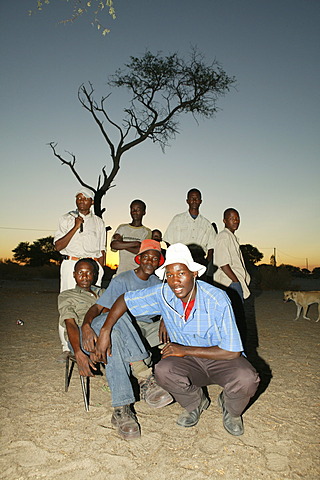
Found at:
[126, 347]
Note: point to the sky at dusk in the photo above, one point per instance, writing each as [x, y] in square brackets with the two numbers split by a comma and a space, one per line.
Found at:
[260, 154]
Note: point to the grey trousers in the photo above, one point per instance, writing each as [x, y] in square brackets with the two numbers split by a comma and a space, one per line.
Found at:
[183, 377]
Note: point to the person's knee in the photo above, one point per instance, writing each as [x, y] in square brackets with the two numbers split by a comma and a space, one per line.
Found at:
[116, 338]
[249, 381]
[162, 371]
[244, 382]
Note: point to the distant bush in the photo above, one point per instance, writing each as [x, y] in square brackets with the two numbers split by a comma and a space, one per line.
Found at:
[274, 278]
[316, 272]
[14, 271]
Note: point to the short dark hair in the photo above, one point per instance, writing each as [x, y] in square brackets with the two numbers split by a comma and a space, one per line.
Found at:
[93, 263]
[194, 190]
[227, 212]
[139, 201]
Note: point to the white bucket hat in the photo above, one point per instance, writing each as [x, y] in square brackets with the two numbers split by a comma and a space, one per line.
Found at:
[180, 253]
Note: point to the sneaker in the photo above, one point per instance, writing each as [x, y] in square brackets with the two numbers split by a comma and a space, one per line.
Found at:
[154, 395]
[233, 424]
[190, 419]
[126, 421]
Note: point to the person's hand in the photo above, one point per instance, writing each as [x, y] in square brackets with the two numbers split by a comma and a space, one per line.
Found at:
[103, 347]
[89, 338]
[85, 364]
[173, 350]
[78, 221]
[117, 237]
[163, 334]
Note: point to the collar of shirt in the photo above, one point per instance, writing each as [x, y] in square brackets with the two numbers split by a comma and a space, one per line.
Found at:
[178, 305]
[232, 234]
[94, 290]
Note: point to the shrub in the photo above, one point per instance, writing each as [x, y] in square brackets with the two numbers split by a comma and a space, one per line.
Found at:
[274, 278]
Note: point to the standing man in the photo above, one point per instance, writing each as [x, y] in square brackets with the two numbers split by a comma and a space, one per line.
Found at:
[191, 227]
[231, 272]
[128, 237]
[80, 234]
[205, 346]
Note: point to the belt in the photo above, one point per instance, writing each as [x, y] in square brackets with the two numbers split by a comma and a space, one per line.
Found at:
[67, 257]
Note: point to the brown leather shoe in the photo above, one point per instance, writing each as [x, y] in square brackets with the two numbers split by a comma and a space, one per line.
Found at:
[125, 420]
[154, 395]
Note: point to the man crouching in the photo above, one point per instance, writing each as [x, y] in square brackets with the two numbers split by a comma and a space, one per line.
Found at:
[205, 346]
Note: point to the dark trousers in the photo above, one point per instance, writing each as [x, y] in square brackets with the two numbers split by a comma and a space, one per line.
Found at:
[183, 377]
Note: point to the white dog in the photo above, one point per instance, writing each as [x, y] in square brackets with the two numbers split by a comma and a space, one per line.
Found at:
[303, 300]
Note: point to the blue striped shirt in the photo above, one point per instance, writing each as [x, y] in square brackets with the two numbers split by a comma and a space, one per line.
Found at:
[211, 321]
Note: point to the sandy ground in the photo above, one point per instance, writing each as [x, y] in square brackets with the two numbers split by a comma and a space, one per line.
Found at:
[46, 433]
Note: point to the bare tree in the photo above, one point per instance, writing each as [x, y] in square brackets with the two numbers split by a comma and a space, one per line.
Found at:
[161, 89]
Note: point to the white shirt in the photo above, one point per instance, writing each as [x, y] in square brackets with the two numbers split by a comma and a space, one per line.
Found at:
[227, 252]
[185, 229]
[88, 243]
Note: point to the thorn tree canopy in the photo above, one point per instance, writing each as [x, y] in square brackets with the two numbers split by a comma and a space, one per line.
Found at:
[161, 88]
[38, 253]
[92, 8]
[251, 254]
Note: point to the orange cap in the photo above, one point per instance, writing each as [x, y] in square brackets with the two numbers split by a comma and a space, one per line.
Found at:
[149, 244]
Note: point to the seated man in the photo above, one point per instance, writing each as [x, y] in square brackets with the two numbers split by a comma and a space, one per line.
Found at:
[118, 365]
[205, 346]
[74, 303]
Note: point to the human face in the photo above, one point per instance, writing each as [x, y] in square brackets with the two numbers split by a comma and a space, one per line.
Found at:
[84, 275]
[232, 221]
[181, 281]
[156, 235]
[149, 262]
[137, 211]
[194, 200]
[83, 203]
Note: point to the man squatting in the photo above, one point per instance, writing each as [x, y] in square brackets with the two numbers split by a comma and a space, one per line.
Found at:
[205, 346]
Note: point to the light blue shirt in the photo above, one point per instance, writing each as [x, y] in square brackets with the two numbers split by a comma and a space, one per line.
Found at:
[211, 321]
[126, 282]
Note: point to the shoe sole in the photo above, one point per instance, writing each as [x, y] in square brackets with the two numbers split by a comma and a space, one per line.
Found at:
[163, 403]
[125, 436]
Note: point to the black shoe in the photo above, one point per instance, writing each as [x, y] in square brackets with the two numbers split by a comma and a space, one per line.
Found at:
[190, 419]
[233, 425]
[126, 421]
